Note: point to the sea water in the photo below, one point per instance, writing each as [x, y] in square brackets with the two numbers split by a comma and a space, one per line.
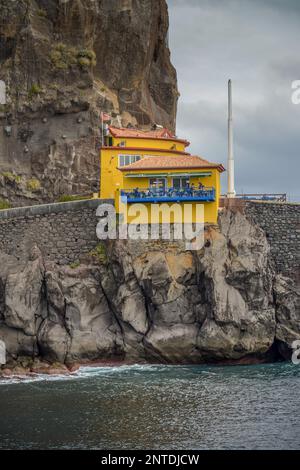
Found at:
[155, 407]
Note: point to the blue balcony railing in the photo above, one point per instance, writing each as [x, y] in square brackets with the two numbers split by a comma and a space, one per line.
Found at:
[168, 195]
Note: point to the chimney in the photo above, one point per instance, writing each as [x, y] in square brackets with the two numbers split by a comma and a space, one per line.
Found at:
[230, 166]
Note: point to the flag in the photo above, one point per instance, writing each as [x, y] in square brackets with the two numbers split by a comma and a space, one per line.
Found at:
[105, 117]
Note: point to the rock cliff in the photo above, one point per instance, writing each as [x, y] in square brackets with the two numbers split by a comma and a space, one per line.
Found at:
[64, 62]
[154, 302]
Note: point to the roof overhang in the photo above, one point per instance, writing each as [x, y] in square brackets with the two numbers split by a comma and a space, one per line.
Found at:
[146, 175]
[170, 138]
[188, 169]
[146, 149]
[174, 175]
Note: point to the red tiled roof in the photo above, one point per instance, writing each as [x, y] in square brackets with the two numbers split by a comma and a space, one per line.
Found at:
[139, 134]
[166, 162]
[149, 150]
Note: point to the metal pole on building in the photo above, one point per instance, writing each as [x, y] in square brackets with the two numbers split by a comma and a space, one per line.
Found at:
[231, 193]
[102, 129]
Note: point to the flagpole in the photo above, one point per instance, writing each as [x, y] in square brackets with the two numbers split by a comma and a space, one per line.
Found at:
[231, 190]
[102, 129]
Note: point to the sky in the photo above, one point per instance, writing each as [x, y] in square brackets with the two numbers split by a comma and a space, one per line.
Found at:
[256, 43]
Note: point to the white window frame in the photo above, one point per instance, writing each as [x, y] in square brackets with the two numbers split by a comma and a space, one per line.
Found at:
[162, 178]
[125, 159]
[180, 178]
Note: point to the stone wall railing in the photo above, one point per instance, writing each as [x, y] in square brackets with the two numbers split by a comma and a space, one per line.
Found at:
[281, 223]
[66, 231]
[63, 231]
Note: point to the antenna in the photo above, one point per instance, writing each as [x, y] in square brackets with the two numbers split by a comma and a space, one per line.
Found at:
[231, 190]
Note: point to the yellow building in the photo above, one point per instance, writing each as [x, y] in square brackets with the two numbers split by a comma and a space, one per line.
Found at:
[153, 167]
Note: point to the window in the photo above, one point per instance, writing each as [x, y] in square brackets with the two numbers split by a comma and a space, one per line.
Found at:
[158, 183]
[181, 183]
[125, 160]
[108, 141]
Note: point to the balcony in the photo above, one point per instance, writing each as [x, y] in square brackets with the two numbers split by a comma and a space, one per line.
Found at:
[168, 195]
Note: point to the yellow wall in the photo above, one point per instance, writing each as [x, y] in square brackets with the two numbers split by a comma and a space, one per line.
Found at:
[150, 143]
[210, 208]
[156, 217]
[111, 177]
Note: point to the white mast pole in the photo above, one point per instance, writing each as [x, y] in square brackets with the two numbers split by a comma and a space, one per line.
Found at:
[102, 129]
[231, 190]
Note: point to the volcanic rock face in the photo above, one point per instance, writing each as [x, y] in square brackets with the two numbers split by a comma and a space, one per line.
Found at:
[64, 62]
[153, 302]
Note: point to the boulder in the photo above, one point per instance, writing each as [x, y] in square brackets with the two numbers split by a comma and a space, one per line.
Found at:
[287, 300]
[23, 295]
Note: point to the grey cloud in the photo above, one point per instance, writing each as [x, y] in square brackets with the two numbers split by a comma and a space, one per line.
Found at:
[255, 43]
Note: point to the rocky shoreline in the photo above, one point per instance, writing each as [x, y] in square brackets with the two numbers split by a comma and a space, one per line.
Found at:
[40, 368]
[25, 368]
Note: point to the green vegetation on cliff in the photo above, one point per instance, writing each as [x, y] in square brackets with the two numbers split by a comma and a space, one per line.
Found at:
[63, 57]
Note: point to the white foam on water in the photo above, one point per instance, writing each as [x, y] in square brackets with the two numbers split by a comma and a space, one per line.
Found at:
[84, 372]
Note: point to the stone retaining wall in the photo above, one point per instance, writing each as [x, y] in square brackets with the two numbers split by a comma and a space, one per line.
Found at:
[66, 231]
[281, 222]
[63, 231]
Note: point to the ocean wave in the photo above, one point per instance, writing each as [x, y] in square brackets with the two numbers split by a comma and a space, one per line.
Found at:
[85, 372]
